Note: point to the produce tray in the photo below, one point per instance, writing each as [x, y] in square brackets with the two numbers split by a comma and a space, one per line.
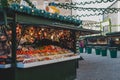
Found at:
[5, 65]
[33, 64]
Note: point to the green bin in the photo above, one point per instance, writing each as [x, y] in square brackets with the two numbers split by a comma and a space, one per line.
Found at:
[104, 51]
[97, 50]
[89, 49]
[81, 49]
[113, 52]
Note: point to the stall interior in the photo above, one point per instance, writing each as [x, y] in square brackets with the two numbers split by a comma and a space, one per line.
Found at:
[97, 41]
[116, 41]
[5, 45]
[37, 43]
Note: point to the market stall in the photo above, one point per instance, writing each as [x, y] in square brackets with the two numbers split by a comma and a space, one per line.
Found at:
[116, 38]
[97, 40]
[37, 45]
[82, 35]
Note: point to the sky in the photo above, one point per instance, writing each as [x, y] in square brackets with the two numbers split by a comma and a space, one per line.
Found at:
[97, 5]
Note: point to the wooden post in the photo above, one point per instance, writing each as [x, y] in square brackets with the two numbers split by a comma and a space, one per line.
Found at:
[101, 28]
[74, 39]
[14, 47]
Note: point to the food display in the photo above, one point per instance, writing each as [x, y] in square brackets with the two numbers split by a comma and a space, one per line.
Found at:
[97, 41]
[27, 55]
[5, 46]
[38, 44]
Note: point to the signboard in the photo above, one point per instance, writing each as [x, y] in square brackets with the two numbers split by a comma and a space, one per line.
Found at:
[105, 26]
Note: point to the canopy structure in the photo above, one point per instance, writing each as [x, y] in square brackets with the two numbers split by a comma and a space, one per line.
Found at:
[113, 34]
[95, 37]
[26, 13]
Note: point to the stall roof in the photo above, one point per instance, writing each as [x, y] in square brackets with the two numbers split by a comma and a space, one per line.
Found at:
[38, 16]
[90, 31]
[44, 14]
[97, 36]
[113, 34]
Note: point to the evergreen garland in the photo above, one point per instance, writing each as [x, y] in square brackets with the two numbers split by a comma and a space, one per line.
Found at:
[44, 14]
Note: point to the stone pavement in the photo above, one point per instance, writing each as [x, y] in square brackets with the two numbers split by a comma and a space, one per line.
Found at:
[96, 67]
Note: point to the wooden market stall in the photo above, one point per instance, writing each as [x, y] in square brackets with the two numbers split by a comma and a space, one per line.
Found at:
[98, 40]
[37, 45]
[85, 34]
[103, 40]
[116, 37]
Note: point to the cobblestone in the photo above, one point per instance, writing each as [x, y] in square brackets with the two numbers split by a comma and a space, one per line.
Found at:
[97, 67]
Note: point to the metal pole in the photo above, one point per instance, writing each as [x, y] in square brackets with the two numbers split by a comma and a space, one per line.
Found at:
[110, 27]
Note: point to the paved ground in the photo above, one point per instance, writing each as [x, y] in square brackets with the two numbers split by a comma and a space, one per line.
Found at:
[96, 67]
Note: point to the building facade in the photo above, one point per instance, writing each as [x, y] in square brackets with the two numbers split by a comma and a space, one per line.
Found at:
[42, 4]
[114, 17]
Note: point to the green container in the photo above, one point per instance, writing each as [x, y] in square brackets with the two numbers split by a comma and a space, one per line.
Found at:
[113, 52]
[97, 50]
[89, 49]
[104, 51]
[81, 50]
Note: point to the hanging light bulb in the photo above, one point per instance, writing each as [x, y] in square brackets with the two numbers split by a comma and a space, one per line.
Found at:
[21, 7]
[32, 10]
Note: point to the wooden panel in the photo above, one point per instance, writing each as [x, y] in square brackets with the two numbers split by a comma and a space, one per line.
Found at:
[59, 71]
[33, 20]
[6, 74]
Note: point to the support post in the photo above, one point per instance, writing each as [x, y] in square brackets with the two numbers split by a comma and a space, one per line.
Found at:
[14, 46]
[110, 25]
